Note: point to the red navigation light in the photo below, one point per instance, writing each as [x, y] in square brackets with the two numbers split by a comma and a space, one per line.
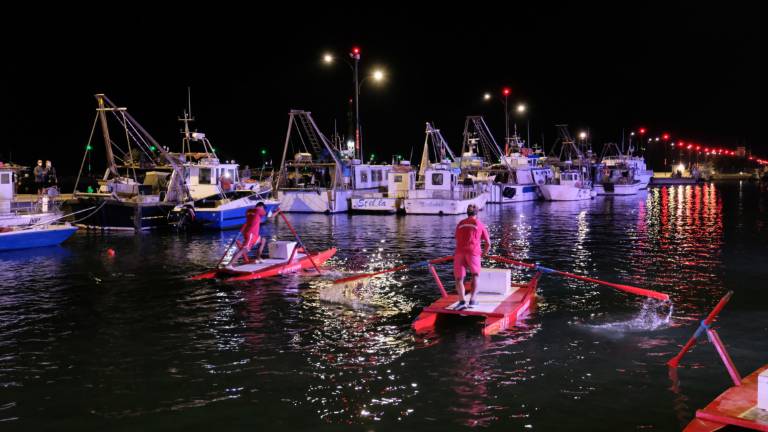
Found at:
[506, 91]
[665, 136]
[733, 153]
[356, 50]
[698, 147]
[689, 146]
[751, 158]
[641, 131]
[680, 144]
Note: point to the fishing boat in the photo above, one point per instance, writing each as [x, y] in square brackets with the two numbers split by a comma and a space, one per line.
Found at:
[317, 179]
[516, 176]
[502, 303]
[14, 213]
[743, 405]
[401, 179]
[613, 175]
[138, 192]
[12, 238]
[219, 199]
[571, 180]
[442, 191]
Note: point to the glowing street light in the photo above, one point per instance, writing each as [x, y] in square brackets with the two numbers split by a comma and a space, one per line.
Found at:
[521, 108]
[378, 75]
[487, 96]
[583, 135]
[328, 58]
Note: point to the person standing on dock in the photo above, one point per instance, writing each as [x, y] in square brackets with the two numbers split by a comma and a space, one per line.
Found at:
[39, 173]
[50, 175]
[469, 234]
[250, 232]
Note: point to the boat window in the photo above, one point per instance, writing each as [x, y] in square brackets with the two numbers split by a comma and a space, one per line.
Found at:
[437, 179]
[363, 177]
[231, 174]
[5, 178]
[398, 179]
[205, 176]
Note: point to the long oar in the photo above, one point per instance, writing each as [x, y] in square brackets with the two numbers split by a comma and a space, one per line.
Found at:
[309, 254]
[620, 287]
[393, 269]
[674, 361]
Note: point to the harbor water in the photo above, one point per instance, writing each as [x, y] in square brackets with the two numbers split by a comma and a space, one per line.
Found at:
[91, 341]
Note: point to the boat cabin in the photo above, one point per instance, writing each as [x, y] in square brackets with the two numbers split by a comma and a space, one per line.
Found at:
[6, 189]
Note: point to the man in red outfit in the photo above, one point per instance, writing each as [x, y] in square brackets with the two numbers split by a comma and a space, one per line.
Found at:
[250, 233]
[469, 233]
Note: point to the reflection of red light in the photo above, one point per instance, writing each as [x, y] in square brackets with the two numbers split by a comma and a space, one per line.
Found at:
[506, 91]
[751, 158]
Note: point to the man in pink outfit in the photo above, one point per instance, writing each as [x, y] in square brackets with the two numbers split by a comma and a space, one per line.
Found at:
[469, 233]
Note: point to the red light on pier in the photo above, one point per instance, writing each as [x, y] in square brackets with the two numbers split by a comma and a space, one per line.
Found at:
[680, 144]
[665, 136]
[698, 147]
[356, 50]
[506, 91]
[689, 146]
[641, 131]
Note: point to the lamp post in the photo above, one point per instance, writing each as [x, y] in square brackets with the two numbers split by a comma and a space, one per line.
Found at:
[377, 75]
[506, 91]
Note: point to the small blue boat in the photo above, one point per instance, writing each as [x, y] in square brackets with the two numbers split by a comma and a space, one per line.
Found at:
[220, 211]
[24, 238]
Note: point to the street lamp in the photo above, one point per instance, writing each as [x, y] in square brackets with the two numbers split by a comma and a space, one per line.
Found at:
[377, 75]
[521, 110]
[487, 96]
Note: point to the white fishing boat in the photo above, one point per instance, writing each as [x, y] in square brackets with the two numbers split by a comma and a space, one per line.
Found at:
[443, 190]
[401, 179]
[571, 181]
[442, 194]
[614, 176]
[317, 179]
[15, 213]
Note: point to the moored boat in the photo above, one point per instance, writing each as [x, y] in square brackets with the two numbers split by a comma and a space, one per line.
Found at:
[12, 238]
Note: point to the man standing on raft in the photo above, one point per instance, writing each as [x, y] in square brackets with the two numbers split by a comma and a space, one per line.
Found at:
[469, 233]
[250, 233]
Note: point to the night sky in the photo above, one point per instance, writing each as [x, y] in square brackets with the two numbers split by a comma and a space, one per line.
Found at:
[693, 71]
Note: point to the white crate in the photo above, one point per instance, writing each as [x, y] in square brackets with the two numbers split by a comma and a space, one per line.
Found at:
[281, 249]
[494, 281]
[762, 390]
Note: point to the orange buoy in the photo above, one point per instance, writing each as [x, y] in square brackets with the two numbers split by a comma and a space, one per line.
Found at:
[111, 252]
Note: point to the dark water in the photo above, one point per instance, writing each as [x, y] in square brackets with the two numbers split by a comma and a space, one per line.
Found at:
[89, 341]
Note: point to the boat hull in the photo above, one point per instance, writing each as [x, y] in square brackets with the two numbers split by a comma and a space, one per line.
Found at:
[377, 205]
[19, 219]
[555, 192]
[499, 313]
[269, 270]
[503, 194]
[110, 214]
[617, 189]
[230, 218]
[443, 206]
[321, 201]
[31, 238]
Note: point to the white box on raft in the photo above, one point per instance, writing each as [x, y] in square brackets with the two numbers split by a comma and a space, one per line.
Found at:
[494, 281]
[281, 249]
[762, 390]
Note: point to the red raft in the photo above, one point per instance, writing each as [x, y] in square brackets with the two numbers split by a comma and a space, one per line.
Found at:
[501, 309]
[736, 406]
[269, 267]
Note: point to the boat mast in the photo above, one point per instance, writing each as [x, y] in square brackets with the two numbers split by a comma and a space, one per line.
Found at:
[105, 131]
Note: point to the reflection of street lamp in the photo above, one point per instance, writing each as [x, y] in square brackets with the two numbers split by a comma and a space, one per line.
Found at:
[582, 135]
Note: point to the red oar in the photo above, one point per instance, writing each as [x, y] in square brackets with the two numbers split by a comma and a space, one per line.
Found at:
[620, 287]
[393, 269]
[674, 361]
